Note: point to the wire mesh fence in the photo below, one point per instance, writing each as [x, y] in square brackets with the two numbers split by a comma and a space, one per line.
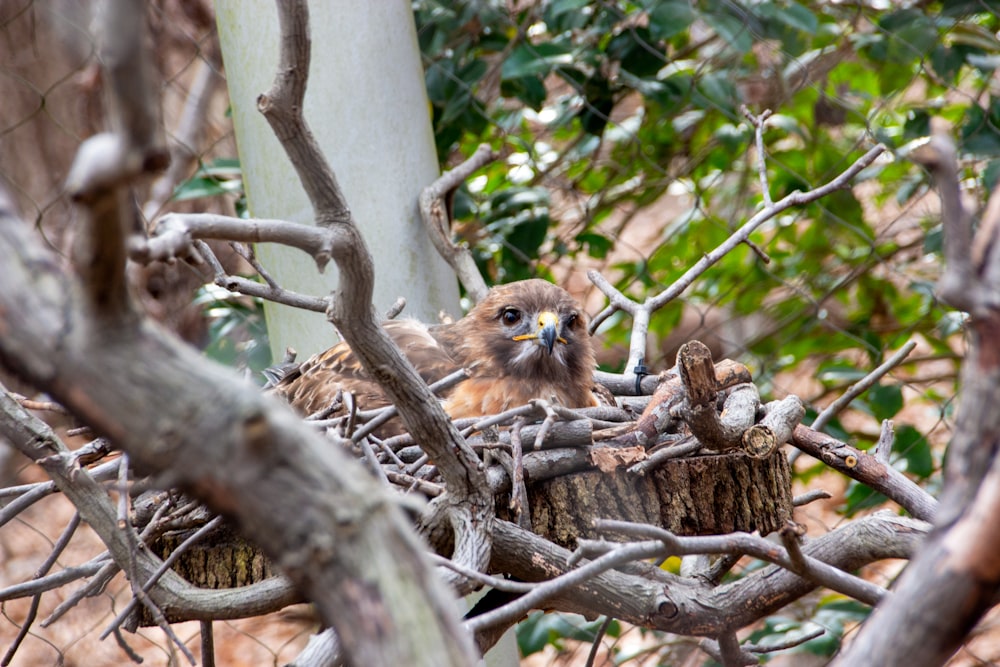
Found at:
[625, 150]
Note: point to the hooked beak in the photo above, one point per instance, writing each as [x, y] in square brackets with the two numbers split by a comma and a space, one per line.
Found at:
[548, 329]
[547, 333]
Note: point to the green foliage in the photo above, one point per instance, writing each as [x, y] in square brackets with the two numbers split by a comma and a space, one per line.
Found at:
[832, 615]
[237, 332]
[540, 630]
[219, 177]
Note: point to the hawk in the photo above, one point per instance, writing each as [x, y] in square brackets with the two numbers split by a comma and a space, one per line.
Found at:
[524, 340]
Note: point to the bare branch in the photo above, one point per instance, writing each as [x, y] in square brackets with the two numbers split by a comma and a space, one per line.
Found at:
[758, 125]
[181, 600]
[174, 233]
[185, 137]
[861, 386]
[166, 565]
[958, 285]
[867, 469]
[434, 212]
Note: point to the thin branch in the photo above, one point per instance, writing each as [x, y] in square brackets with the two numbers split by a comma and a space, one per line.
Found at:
[758, 125]
[175, 232]
[810, 497]
[495, 582]
[108, 569]
[185, 137]
[207, 644]
[434, 212]
[861, 386]
[866, 469]
[53, 556]
[883, 447]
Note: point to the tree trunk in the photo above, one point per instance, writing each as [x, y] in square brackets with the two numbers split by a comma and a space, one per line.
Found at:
[367, 106]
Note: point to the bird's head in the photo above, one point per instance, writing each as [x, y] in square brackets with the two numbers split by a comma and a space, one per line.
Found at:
[530, 329]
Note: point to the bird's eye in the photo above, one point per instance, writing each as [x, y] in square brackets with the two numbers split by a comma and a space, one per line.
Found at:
[571, 319]
[510, 316]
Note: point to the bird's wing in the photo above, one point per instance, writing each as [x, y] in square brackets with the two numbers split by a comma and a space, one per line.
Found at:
[315, 384]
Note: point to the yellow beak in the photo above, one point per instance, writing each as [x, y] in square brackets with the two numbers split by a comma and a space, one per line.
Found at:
[547, 333]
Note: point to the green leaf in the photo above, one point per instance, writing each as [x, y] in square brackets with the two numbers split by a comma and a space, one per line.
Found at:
[859, 497]
[597, 246]
[528, 60]
[206, 187]
[670, 18]
[731, 29]
[793, 16]
[540, 630]
[915, 450]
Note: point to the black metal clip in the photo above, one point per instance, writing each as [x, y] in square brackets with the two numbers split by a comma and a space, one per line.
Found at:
[640, 370]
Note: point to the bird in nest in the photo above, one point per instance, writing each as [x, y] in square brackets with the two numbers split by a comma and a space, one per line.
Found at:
[524, 340]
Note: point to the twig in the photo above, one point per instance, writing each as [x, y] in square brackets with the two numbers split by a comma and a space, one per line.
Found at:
[207, 644]
[598, 639]
[866, 469]
[526, 410]
[785, 645]
[731, 653]
[106, 572]
[42, 406]
[498, 583]
[390, 411]
[53, 581]
[184, 147]
[810, 497]
[123, 495]
[959, 286]
[758, 125]
[861, 386]
[395, 309]
[129, 651]
[372, 459]
[883, 447]
[175, 232]
[46, 565]
[726, 650]
[25, 501]
[518, 493]
[141, 592]
[427, 488]
[685, 447]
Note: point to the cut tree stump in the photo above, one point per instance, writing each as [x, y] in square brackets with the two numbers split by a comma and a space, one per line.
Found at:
[699, 495]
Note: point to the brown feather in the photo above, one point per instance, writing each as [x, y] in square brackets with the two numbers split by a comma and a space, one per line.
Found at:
[503, 372]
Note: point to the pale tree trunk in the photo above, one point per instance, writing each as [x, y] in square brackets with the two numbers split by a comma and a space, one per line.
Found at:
[367, 106]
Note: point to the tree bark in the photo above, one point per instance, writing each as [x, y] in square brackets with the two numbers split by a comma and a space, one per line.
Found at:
[701, 495]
